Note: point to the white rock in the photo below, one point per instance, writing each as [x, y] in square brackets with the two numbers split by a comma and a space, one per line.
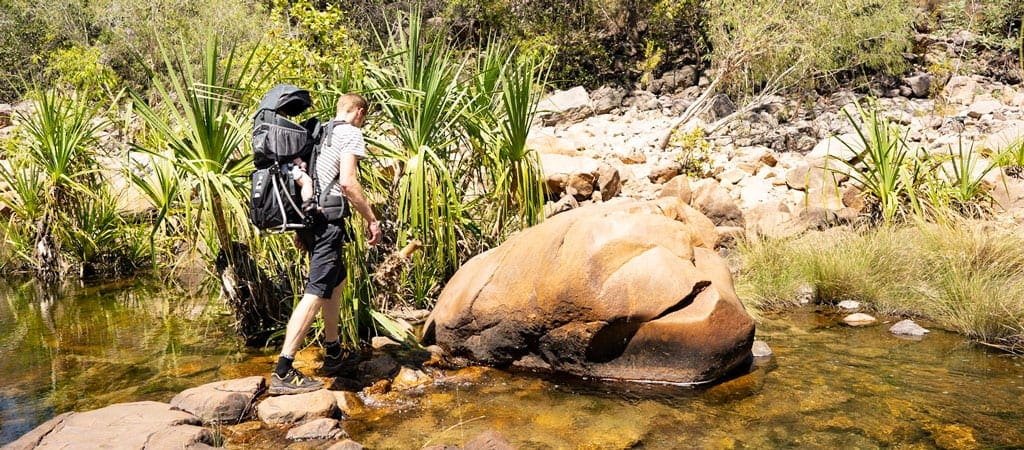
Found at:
[849, 304]
[908, 328]
[559, 101]
[859, 319]
[760, 349]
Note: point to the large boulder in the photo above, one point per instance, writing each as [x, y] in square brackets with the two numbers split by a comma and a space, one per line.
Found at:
[139, 425]
[620, 290]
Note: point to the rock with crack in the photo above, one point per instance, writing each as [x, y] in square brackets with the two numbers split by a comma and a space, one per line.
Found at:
[622, 290]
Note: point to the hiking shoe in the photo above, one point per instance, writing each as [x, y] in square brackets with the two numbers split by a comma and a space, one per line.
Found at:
[341, 365]
[294, 382]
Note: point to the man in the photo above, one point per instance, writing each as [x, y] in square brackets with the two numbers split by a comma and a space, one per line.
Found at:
[326, 267]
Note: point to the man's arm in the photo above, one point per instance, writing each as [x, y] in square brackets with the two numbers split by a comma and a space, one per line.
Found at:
[348, 181]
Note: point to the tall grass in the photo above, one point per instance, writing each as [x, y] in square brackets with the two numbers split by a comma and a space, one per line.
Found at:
[965, 276]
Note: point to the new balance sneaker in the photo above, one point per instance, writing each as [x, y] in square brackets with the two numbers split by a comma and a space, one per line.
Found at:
[294, 382]
[344, 364]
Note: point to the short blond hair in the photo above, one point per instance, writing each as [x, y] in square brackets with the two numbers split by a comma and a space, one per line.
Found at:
[352, 102]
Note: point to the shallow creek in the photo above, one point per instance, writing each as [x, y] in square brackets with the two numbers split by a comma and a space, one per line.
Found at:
[827, 386]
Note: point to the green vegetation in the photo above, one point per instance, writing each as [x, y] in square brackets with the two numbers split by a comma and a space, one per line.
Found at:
[901, 181]
[963, 276]
[806, 44]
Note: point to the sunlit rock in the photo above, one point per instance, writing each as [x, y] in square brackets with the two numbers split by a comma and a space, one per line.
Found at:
[760, 349]
[291, 409]
[136, 425]
[849, 304]
[222, 401]
[617, 290]
[859, 320]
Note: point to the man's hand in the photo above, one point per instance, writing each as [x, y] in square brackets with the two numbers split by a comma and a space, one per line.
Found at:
[374, 227]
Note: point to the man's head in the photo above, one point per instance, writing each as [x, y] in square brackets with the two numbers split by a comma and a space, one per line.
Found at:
[352, 109]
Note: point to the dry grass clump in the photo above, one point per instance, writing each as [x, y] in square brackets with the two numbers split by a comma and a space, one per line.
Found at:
[966, 276]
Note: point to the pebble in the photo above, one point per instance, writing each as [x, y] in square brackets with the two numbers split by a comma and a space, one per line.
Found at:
[859, 319]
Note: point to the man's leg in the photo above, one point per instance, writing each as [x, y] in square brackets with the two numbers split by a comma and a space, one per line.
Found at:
[300, 321]
[285, 379]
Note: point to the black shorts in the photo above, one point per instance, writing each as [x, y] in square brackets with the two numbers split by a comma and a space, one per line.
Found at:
[326, 266]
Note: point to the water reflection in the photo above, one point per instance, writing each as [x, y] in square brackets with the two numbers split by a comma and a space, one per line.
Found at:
[827, 386]
[70, 349]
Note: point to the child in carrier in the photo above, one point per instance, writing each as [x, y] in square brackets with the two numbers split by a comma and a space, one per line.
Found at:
[297, 169]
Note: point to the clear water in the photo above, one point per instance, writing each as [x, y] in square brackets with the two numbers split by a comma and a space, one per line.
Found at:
[828, 386]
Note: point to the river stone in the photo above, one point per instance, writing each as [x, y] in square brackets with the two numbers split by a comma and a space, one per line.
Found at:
[324, 428]
[849, 304]
[960, 89]
[291, 409]
[920, 84]
[859, 319]
[347, 444]
[580, 174]
[613, 290]
[678, 187]
[983, 107]
[488, 440]
[408, 378]
[348, 402]
[760, 349]
[138, 425]
[907, 327]
[221, 401]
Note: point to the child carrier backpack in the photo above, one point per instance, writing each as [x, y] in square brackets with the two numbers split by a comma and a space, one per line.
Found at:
[276, 201]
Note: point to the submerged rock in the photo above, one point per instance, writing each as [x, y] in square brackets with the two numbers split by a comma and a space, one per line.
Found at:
[139, 425]
[323, 428]
[908, 328]
[618, 290]
[859, 320]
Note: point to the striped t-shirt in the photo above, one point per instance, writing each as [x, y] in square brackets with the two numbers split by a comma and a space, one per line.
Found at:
[344, 139]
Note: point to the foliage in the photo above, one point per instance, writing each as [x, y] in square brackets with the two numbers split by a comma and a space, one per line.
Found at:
[901, 181]
[21, 64]
[964, 276]
[203, 132]
[892, 173]
[61, 206]
[806, 43]
[694, 152]
[311, 45]
[458, 132]
[1011, 158]
[80, 69]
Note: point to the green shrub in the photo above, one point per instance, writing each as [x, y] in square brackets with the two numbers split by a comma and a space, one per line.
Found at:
[21, 64]
[809, 44]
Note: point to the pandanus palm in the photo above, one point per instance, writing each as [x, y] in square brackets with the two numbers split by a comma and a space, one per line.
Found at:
[203, 129]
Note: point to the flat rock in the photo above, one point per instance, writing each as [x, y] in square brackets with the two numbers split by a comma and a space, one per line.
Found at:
[324, 428]
[346, 444]
[138, 425]
[907, 327]
[222, 401]
[291, 409]
[859, 320]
